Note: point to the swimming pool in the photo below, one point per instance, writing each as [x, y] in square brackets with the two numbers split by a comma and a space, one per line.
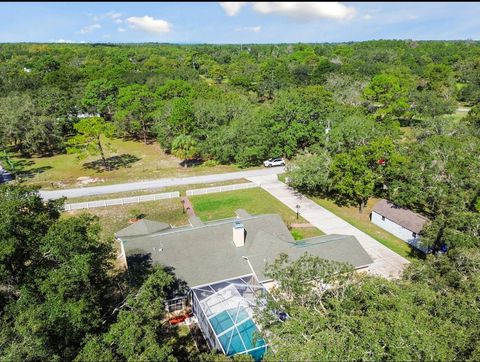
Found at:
[238, 333]
[225, 310]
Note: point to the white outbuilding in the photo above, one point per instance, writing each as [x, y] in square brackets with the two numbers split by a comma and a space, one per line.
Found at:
[403, 223]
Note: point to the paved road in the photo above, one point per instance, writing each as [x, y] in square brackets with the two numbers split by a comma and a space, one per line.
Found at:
[153, 184]
[385, 262]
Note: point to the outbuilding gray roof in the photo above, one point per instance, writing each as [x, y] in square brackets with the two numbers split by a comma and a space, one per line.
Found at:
[206, 254]
[408, 219]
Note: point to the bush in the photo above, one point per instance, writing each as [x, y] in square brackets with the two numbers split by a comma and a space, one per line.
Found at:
[210, 163]
[297, 235]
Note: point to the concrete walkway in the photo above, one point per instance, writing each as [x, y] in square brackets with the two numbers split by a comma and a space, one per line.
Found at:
[153, 184]
[386, 263]
[188, 206]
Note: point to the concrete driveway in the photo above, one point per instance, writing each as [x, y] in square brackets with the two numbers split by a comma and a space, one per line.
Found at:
[153, 184]
[386, 263]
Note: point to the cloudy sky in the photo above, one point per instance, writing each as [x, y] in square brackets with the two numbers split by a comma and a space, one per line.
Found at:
[247, 22]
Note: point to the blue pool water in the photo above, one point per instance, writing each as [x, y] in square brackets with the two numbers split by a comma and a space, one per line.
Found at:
[247, 332]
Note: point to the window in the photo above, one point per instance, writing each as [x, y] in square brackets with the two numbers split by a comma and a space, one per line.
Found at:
[383, 218]
[414, 235]
[175, 304]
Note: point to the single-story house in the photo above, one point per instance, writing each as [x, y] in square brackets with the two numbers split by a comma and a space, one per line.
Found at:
[401, 222]
[223, 263]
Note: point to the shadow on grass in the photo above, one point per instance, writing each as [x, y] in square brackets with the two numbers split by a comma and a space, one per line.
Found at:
[191, 163]
[113, 163]
[22, 169]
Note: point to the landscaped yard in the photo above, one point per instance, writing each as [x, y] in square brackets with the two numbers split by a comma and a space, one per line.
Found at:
[255, 201]
[131, 161]
[362, 222]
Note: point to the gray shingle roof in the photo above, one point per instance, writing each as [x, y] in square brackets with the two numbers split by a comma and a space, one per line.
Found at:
[142, 227]
[408, 219]
[206, 254]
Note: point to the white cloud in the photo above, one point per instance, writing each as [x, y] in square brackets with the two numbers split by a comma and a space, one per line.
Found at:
[121, 30]
[368, 17]
[255, 29]
[107, 36]
[232, 9]
[89, 28]
[63, 41]
[150, 25]
[118, 21]
[306, 10]
[113, 15]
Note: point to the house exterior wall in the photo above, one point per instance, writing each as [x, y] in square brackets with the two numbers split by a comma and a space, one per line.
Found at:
[395, 229]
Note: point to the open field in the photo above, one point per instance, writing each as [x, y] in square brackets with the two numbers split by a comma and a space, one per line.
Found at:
[255, 201]
[362, 222]
[131, 161]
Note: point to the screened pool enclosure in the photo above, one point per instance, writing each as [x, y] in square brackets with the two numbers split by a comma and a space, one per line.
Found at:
[225, 315]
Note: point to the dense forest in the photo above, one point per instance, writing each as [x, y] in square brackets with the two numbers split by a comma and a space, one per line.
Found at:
[357, 120]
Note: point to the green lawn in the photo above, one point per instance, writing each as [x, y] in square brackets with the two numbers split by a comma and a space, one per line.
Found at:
[255, 201]
[362, 222]
[305, 233]
[134, 161]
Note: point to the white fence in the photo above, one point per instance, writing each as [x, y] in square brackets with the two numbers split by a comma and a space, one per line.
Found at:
[122, 201]
[211, 190]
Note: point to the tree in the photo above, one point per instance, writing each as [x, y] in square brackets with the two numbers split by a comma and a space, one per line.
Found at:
[184, 147]
[174, 89]
[299, 117]
[100, 97]
[177, 117]
[335, 314]
[45, 137]
[430, 104]
[89, 138]
[138, 333]
[135, 106]
[24, 219]
[353, 181]
[17, 112]
[310, 173]
[388, 96]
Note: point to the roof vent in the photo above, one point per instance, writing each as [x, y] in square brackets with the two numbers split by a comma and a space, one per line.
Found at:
[238, 234]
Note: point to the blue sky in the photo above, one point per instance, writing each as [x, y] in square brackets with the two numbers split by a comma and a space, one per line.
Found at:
[213, 22]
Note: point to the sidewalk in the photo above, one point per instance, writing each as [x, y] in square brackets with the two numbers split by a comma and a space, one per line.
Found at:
[386, 263]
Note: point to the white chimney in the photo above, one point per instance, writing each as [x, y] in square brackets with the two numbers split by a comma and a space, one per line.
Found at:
[238, 234]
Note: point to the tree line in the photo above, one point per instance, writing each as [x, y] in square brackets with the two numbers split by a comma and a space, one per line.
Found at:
[229, 104]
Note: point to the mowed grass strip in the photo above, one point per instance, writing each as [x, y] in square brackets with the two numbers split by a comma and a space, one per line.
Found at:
[362, 222]
[181, 188]
[255, 201]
